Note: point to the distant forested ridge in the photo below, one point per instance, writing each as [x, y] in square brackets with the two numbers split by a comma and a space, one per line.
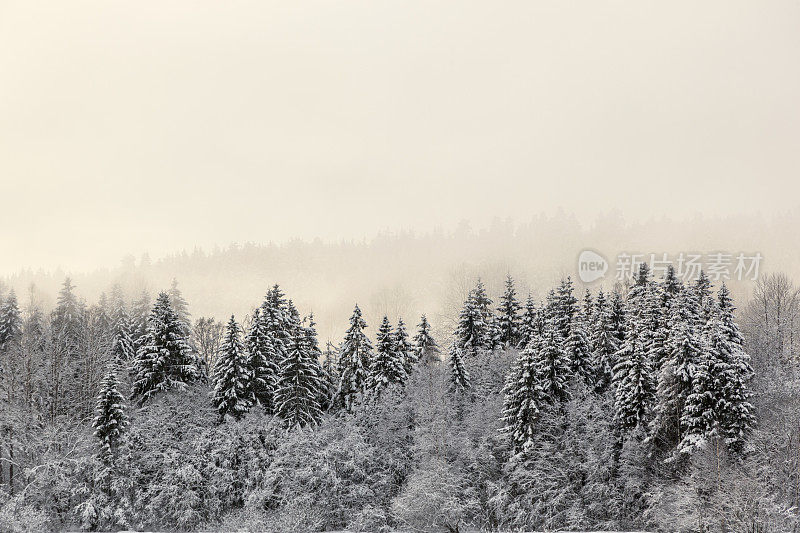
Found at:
[657, 405]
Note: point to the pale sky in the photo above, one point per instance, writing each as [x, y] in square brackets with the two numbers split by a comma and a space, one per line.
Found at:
[158, 126]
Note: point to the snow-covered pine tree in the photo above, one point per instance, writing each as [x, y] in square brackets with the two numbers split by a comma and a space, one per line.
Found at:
[387, 365]
[404, 348]
[508, 318]
[180, 306]
[122, 348]
[483, 304]
[588, 307]
[139, 315]
[330, 375]
[276, 316]
[232, 396]
[566, 307]
[165, 360]
[578, 350]
[10, 321]
[528, 323]
[300, 384]
[553, 367]
[603, 344]
[616, 315]
[475, 330]
[666, 292]
[354, 361]
[110, 419]
[686, 357]
[262, 363]
[705, 300]
[426, 349]
[735, 411]
[633, 379]
[459, 376]
[522, 396]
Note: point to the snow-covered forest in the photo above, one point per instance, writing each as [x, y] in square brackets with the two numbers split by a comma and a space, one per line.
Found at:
[655, 406]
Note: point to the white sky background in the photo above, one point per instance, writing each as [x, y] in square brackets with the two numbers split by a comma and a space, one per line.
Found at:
[133, 126]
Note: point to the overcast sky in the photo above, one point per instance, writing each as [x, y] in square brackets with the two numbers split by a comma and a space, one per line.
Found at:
[132, 126]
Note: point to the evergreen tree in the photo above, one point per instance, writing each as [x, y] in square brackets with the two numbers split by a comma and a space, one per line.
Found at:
[262, 364]
[705, 301]
[300, 384]
[139, 317]
[404, 348]
[232, 394]
[110, 420]
[475, 332]
[735, 411]
[122, 348]
[277, 319]
[633, 378]
[459, 376]
[528, 324]
[330, 375]
[180, 306]
[508, 319]
[686, 359]
[578, 350]
[10, 322]
[552, 364]
[425, 348]
[522, 397]
[165, 360]
[387, 365]
[603, 344]
[617, 319]
[354, 361]
[588, 307]
[566, 307]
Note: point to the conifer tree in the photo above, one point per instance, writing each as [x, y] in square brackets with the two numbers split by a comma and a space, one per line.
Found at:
[735, 412]
[123, 348]
[552, 364]
[110, 419]
[522, 397]
[277, 320]
[404, 348]
[180, 306]
[139, 316]
[232, 396]
[386, 367]
[354, 361]
[426, 349]
[528, 323]
[578, 350]
[566, 307]
[165, 360]
[475, 332]
[459, 376]
[633, 378]
[588, 308]
[262, 363]
[508, 319]
[330, 375]
[686, 359]
[10, 321]
[300, 384]
[603, 344]
[617, 319]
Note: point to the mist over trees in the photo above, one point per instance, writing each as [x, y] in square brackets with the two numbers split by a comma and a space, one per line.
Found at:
[655, 406]
[408, 274]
